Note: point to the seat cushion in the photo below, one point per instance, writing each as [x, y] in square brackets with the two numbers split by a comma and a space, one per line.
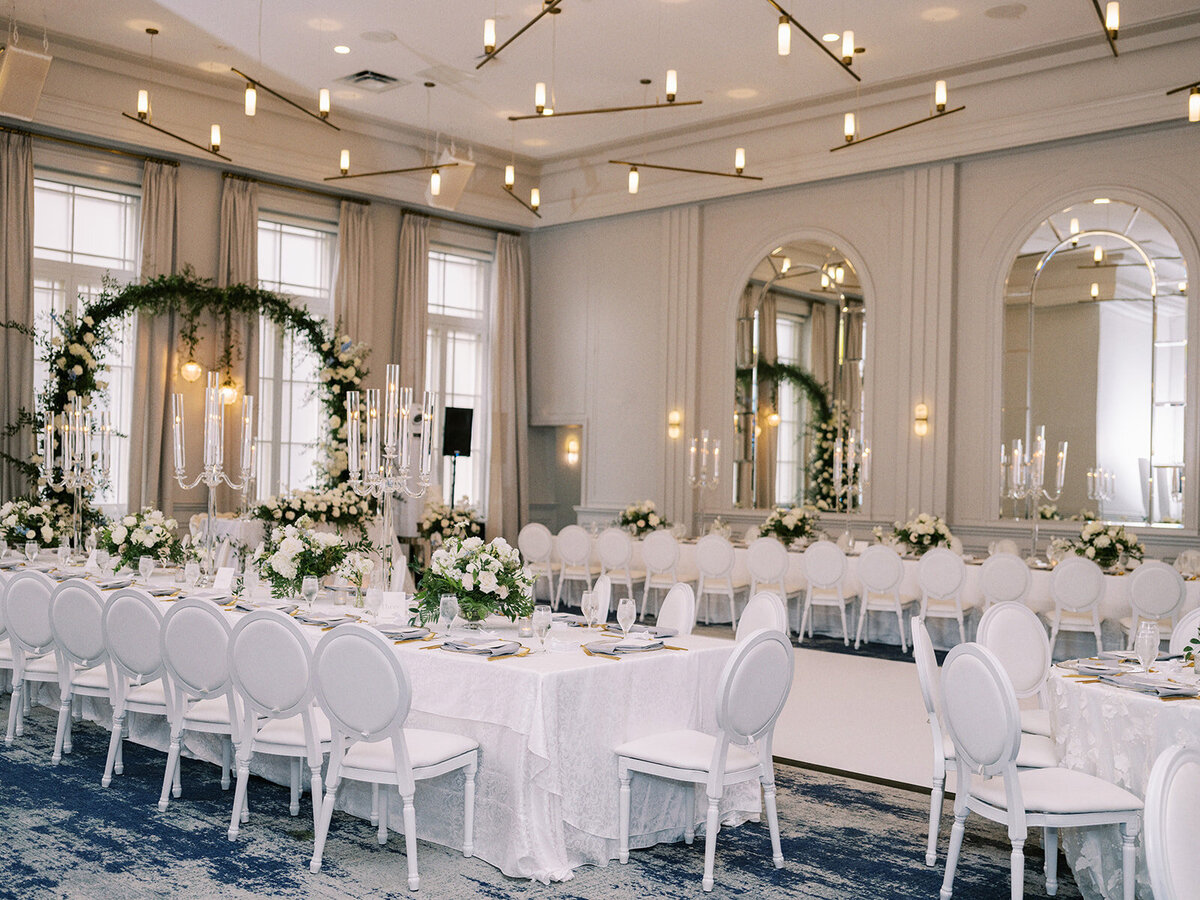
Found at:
[685, 750]
[213, 711]
[1036, 721]
[1037, 751]
[6, 657]
[1165, 626]
[40, 667]
[290, 732]
[152, 694]
[425, 748]
[1060, 791]
[95, 678]
[1074, 621]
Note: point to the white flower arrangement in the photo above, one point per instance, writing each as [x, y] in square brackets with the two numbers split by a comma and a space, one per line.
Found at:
[1105, 544]
[641, 517]
[296, 551]
[441, 521]
[485, 578]
[338, 506]
[920, 534]
[23, 520]
[145, 533]
[794, 524]
[1048, 512]
[344, 369]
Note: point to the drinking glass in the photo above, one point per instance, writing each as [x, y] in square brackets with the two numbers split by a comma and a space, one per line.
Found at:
[587, 605]
[447, 611]
[308, 590]
[1146, 644]
[89, 542]
[626, 615]
[103, 561]
[31, 550]
[3, 547]
[543, 616]
[145, 567]
[64, 552]
[191, 573]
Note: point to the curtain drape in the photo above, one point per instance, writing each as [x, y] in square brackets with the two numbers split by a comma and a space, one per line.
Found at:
[821, 344]
[767, 442]
[352, 300]
[508, 463]
[412, 302]
[16, 281]
[151, 481]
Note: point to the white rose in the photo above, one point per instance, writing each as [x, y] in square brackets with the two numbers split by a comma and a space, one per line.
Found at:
[118, 534]
[47, 533]
[78, 370]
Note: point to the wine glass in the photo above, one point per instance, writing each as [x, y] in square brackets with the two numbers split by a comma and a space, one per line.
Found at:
[447, 611]
[64, 552]
[89, 542]
[308, 590]
[191, 573]
[587, 606]
[145, 567]
[626, 615]
[103, 560]
[1146, 644]
[31, 550]
[3, 547]
[543, 616]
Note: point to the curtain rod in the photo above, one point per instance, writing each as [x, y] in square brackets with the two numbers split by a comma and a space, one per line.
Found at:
[88, 145]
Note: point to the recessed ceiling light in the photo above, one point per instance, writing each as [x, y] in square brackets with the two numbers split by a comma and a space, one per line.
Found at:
[320, 24]
[341, 48]
[939, 14]
[1102, 200]
[741, 93]
[831, 37]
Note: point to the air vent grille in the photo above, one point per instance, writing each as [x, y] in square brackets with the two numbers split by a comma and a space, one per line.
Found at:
[376, 82]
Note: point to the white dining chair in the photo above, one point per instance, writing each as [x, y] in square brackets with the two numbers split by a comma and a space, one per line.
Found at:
[195, 650]
[1076, 586]
[764, 610]
[603, 591]
[132, 626]
[76, 615]
[660, 554]
[982, 718]
[1017, 636]
[1156, 594]
[714, 560]
[1036, 751]
[26, 615]
[1172, 821]
[270, 665]
[614, 547]
[941, 573]
[881, 570]
[369, 740]
[1004, 577]
[536, 544]
[767, 563]
[753, 688]
[574, 553]
[678, 610]
[1187, 628]
[752, 534]
[825, 571]
[1006, 545]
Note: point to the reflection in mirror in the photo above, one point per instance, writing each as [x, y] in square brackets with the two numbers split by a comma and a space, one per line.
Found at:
[1095, 349]
[798, 384]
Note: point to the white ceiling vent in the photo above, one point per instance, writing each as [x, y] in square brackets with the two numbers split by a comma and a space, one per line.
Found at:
[375, 82]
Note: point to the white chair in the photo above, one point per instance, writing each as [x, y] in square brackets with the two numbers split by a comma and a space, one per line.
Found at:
[195, 650]
[660, 553]
[1172, 820]
[1007, 545]
[714, 560]
[678, 610]
[765, 610]
[26, 615]
[1016, 635]
[603, 591]
[370, 742]
[753, 688]
[767, 562]
[84, 669]
[574, 553]
[881, 570]
[131, 626]
[536, 544]
[1037, 752]
[270, 665]
[940, 574]
[825, 570]
[614, 546]
[1156, 594]
[983, 721]
[752, 534]
[1004, 577]
[1187, 628]
[1076, 586]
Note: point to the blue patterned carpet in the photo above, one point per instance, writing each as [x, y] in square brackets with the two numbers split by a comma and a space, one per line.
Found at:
[68, 837]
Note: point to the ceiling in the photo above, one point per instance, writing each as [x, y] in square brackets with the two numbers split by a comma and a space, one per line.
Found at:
[593, 54]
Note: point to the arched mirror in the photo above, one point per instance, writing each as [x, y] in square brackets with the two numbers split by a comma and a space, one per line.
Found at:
[1095, 350]
[798, 384]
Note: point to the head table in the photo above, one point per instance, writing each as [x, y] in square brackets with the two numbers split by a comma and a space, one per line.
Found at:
[546, 723]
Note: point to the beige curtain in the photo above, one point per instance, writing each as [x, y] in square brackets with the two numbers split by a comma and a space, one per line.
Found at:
[767, 442]
[16, 281]
[151, 481]
[352, 300]
[508, 463]
[412, 302]
[821, 345]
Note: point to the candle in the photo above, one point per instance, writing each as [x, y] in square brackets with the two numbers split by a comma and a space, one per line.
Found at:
[837, 463]
[177, 430]
[391, 403]
[1003, 467]
[48, 445]
[247, 430]
[212, 404]
[716, 460]
[406, 402]
[220, 442]
[372, 431]
[253, 467]
[864, 469]
[692, 459]
[85, 441]
[427, 434]
[105, 442]
[352, 433]
[65, 437]
[1060, 468]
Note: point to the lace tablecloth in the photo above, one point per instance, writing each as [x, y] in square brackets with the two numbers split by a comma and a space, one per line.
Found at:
[1116, 735]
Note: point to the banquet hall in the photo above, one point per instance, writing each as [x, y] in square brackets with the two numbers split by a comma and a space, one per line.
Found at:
[829, 349]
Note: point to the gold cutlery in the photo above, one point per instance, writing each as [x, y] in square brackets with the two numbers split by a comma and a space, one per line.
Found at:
[524, 651]
[584, 648]
[669, 647]
[1181, 697]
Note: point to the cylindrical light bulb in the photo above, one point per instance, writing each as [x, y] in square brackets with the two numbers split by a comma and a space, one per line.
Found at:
[739, 159]
[785, 265]
[1112, 18]
[251, 99]
[785, 36]
[489, 35]
[214, 138]
[849, 129]
[847, 47]
[1074, 231]
[1194, 105]
[939, 96]
[539, 97]
[1098, 255]
[323, 102]
[633, 179]
[839, 274]
[1095, 290]
[143, 107]
[672, 85]
[535, 198]
[510, 177]
[435, 182]
[344, 162]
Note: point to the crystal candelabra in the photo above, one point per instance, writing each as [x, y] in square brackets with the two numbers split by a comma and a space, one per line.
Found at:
[384, 470]
[213, 475]
[75, 459]
[1023, 476]
[851, 472]
[1101, 487]
[704, 465]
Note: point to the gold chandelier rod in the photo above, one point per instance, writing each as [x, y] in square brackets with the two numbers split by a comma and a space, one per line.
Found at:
[550, 7]
[812, 37]
[1183, 87]
[177, 137]
[1104, 27]
[274, 93]
[641, 165]
[528, 206]
[879, 134]
[604, 110]
[392, 171]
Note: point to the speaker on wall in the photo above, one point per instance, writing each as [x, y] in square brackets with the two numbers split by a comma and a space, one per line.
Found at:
[22, 77]
[456, 431]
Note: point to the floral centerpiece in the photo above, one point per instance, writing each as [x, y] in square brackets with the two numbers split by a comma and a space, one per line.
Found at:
[440, 521]
[920, 534]
[356, 569]
[145, 533]
[486, 578]
[1049, 512]
[23, 520]
[338, 506]
[641, 517]
[345, 368]
[295, 551]
[790, 525]
[1105, 544]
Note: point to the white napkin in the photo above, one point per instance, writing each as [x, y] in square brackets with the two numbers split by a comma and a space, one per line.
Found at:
[224, 579]
[91, 566]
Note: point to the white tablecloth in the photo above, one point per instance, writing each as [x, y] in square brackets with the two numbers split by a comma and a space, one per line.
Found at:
[1116, 735]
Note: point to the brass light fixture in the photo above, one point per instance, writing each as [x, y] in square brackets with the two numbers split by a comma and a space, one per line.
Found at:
[489, 35]
[634, 166]
[344, 162]
[550, 7]
[739, 160]
[939, 97]
[1110, 21]
[214, 137]
[435, 182]
[848, 47]
[535, 199]
[323, 103]
[850, 128]
[510, 177]
[785, 36]
[510, 181]
[1193, 89]
[345, 169]
[251, 102]
[672, 85]
[634, 179]
[786, 20]
[252, 86]
[143, 106]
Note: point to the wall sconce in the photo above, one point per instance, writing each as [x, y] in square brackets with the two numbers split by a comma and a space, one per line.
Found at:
[674, 423]
[572, 451]
[191, 371]
[921, 420]
[773, 418]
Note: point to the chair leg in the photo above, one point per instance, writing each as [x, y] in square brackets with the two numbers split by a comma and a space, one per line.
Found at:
[1129, 833]
[1016, 869]
[623, 825]
[863, 612]
[226, 758]
[732, 609]
[410, 842]
[1051, 846]
[114, 744]
[562, 579]
[845, 630]
[936, 800]
[381, 835]
[804, 621]
[294, 804]
[64, 722]
[177, 787]
[239, 795]
[172, 762]
[900, 622]
[768, 784]
[314, 774]
[322, 825]
[962, 629]
[712, 826]
[375, 804]
[956, 839]
[14, 712]
[75, 705]
[469, 809]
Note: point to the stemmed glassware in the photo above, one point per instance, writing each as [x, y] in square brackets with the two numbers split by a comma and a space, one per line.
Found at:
[31, 550]
[626, 615]
[447, 611]
[543, 616]
[191, 573]
[308, 590]
[103, 559]
[146, 567]
[587, 605]
[1145, 646]
[3, 548]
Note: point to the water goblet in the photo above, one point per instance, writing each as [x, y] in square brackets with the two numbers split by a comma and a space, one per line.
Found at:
[191, 573]
[626, 615]
[308, 590]
[1146, 644]
[103, 561]
[89, 542]
[145, 567]
[587, 606]
[3, 547]
[64, 552]
[447, 611]
[543, 616]
[31, 550]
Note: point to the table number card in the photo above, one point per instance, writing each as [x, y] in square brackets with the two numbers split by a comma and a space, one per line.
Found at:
[224, 579]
